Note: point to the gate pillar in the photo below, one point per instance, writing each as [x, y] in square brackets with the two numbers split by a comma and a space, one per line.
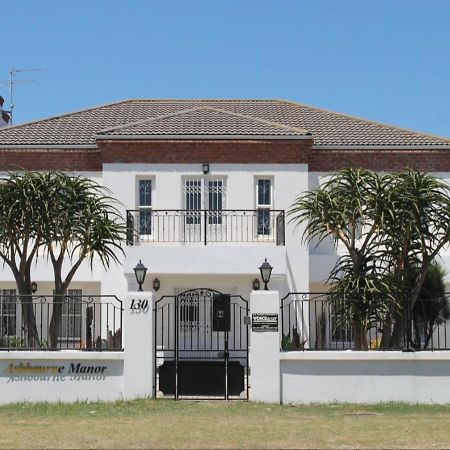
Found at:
[138, 344]
[265, 347]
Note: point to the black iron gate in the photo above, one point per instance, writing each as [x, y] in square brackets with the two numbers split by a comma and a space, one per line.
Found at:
[201, 345]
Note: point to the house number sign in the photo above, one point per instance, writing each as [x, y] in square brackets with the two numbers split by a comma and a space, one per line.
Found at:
[264, 322]
[139, 305]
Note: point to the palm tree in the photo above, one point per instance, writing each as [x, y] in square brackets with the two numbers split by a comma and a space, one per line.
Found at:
[347, 208]
[59, 216]
[431, 308]
[415, 226]
[387, 224]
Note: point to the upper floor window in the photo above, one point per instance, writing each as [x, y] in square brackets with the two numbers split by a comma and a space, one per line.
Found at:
[264, 203]
[145, 206]
[204, 194]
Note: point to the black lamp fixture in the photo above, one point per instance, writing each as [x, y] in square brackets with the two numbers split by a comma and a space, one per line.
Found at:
[256, 284]
[266, 272]
[139, 272]
[33, 287]
[205, 167]
[156, 284]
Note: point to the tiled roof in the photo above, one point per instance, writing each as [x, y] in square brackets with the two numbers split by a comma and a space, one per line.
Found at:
[327, 128]
[204, 121]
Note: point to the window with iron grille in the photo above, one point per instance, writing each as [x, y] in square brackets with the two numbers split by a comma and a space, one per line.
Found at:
[8, 312]
[145, 206]
[264, 203]
[71, 320]
[204, 194]
[341, 331]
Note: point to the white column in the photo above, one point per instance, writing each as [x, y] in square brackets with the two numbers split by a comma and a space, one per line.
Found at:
[264, 350]
[138, 345]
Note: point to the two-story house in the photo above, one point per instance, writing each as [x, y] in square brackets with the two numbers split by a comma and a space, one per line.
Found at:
[205, 185]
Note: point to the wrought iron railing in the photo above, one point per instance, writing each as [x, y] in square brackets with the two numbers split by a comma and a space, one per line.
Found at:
[312, 321]
[206, 226]
[47, 322]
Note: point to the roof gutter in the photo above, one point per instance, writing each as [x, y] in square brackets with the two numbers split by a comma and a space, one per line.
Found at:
[50, 146]
[382, 147]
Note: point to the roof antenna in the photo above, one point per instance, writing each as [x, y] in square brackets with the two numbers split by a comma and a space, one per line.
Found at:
[12, 82]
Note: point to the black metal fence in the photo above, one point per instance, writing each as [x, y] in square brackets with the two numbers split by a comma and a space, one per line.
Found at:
[206, 226]
[312, 321]
[55, 323]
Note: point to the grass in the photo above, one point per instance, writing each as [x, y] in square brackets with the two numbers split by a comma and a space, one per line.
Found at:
[182, 424]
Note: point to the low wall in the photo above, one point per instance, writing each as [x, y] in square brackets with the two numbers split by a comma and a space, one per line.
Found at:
[71, 375]
[364, 377]
[61, 376]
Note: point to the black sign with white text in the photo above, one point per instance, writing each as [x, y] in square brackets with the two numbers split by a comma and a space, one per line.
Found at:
[264, 322]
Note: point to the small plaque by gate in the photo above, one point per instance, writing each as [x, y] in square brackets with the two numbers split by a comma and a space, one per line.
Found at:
[264, 322]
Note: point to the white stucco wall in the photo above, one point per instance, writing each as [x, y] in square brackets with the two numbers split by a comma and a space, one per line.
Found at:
[365, 377]
[230, 261]
[60, 376]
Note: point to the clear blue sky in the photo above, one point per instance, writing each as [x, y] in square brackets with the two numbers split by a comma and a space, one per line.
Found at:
[386, 60]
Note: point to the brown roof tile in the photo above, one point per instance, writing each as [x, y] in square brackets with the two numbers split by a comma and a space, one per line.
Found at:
[204, 121]
[249, 117]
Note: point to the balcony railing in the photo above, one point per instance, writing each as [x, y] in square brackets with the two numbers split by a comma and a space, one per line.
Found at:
[206, 226]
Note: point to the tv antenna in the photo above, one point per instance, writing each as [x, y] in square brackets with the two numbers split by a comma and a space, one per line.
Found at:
[12, 82]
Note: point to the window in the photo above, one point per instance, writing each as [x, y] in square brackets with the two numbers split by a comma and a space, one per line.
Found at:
[215, 201]
[8, 303]
[204, 194]
[341, 332]
[193, 200]
[264, 204]
[71, 315]
[145, 206]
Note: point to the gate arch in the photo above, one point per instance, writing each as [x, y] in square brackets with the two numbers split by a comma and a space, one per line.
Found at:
[201, 345]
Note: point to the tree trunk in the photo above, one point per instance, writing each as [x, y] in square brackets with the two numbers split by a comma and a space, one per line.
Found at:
[387, 332]
[29, 320]
[55, 322]
[28, 316]
[398, 333]
[360, 337]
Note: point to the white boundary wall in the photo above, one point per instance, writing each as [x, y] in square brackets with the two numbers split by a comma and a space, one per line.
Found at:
[70, 375]
[341, 376]
[286, 377]
[365, 377]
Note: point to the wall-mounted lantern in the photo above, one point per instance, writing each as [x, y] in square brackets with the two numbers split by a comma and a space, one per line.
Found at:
[33, 287]
[266, 272]
[139, 272]
[156, 284]
[256, 284]
[205, 167]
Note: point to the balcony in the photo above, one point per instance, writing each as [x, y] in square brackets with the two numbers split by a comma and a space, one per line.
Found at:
[206, 227]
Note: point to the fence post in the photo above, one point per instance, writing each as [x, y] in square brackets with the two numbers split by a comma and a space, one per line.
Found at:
[138, 344]
[265, 347]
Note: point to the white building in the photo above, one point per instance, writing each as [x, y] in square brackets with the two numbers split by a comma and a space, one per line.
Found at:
[260, 155]
[203, 186]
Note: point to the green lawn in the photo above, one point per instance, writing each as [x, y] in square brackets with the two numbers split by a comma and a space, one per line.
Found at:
[182, 424]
